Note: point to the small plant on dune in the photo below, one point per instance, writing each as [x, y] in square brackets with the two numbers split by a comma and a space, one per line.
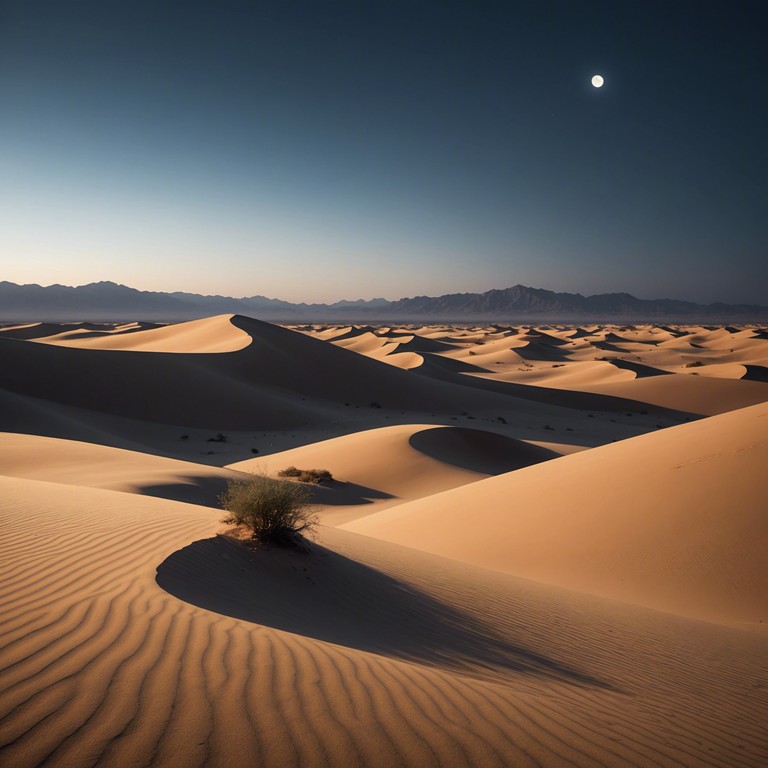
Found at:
[314, 476]
[275, 511]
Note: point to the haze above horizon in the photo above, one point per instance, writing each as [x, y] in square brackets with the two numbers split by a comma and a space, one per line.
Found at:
[344, 150]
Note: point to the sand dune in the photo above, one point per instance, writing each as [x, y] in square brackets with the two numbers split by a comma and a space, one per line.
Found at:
[575, 375]
[33, 331]
[694, 394]
[212, 334]
[519, 563]
[381, 467]
[280, 380]
[95, 466]
[675, 520]
[119, 643]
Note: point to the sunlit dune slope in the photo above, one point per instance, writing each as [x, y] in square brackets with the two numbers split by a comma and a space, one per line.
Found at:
[675, 520]
[393, 464]
[131, 636]
[211, 334]
[557, 363]
[36, 330]
[694, 394]
[579, 375]
[97, 466]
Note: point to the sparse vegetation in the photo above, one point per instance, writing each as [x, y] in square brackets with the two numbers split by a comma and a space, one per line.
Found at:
[314, 476]
[275, 511]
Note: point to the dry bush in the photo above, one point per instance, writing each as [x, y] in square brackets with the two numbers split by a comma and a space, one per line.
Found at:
[276, 511]
[314, 476]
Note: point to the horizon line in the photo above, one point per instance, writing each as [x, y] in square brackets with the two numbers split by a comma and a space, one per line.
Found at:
[377, 298]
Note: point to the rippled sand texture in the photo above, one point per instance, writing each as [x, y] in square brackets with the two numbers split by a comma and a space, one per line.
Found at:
[542, 546]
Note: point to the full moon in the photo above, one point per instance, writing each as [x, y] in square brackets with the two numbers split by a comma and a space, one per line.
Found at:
[598, 81]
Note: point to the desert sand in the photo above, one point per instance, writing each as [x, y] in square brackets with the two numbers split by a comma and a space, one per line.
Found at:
[543, 546]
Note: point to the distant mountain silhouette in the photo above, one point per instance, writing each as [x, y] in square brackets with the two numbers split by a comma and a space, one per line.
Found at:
[109, 301]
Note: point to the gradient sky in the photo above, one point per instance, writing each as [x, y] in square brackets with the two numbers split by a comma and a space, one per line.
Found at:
[325, 150]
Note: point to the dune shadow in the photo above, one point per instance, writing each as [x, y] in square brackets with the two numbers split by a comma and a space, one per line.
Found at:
[478, 450]
[439, 363]
[756, 373]
[536, 350]
[329, 597]
[342, 494]
[551, 341]
[641, 371]
[204, 491]
[607, 346]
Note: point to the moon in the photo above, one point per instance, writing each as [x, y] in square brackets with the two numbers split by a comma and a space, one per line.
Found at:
[598, 81]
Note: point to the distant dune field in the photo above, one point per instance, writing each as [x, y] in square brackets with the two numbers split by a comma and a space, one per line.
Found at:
[542, 546]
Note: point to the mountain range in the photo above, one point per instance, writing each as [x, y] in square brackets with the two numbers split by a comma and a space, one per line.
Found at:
[110, 301]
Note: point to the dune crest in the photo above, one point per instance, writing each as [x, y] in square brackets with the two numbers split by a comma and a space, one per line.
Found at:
[209, 335]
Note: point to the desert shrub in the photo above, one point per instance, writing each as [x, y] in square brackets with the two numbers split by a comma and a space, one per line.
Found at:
[314, 476]
[276, 511]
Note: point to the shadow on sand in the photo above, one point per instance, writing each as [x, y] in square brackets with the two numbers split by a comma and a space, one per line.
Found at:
[204, 491]
[341, 493]
[329, 597]
[478, 450]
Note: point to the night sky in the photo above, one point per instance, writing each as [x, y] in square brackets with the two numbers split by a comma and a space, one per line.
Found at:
[325, 150]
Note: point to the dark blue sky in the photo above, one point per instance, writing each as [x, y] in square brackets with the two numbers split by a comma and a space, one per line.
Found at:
[327, 150]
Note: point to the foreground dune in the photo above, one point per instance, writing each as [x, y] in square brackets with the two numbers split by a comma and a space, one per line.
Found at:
[519, 564]
[151, 642]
